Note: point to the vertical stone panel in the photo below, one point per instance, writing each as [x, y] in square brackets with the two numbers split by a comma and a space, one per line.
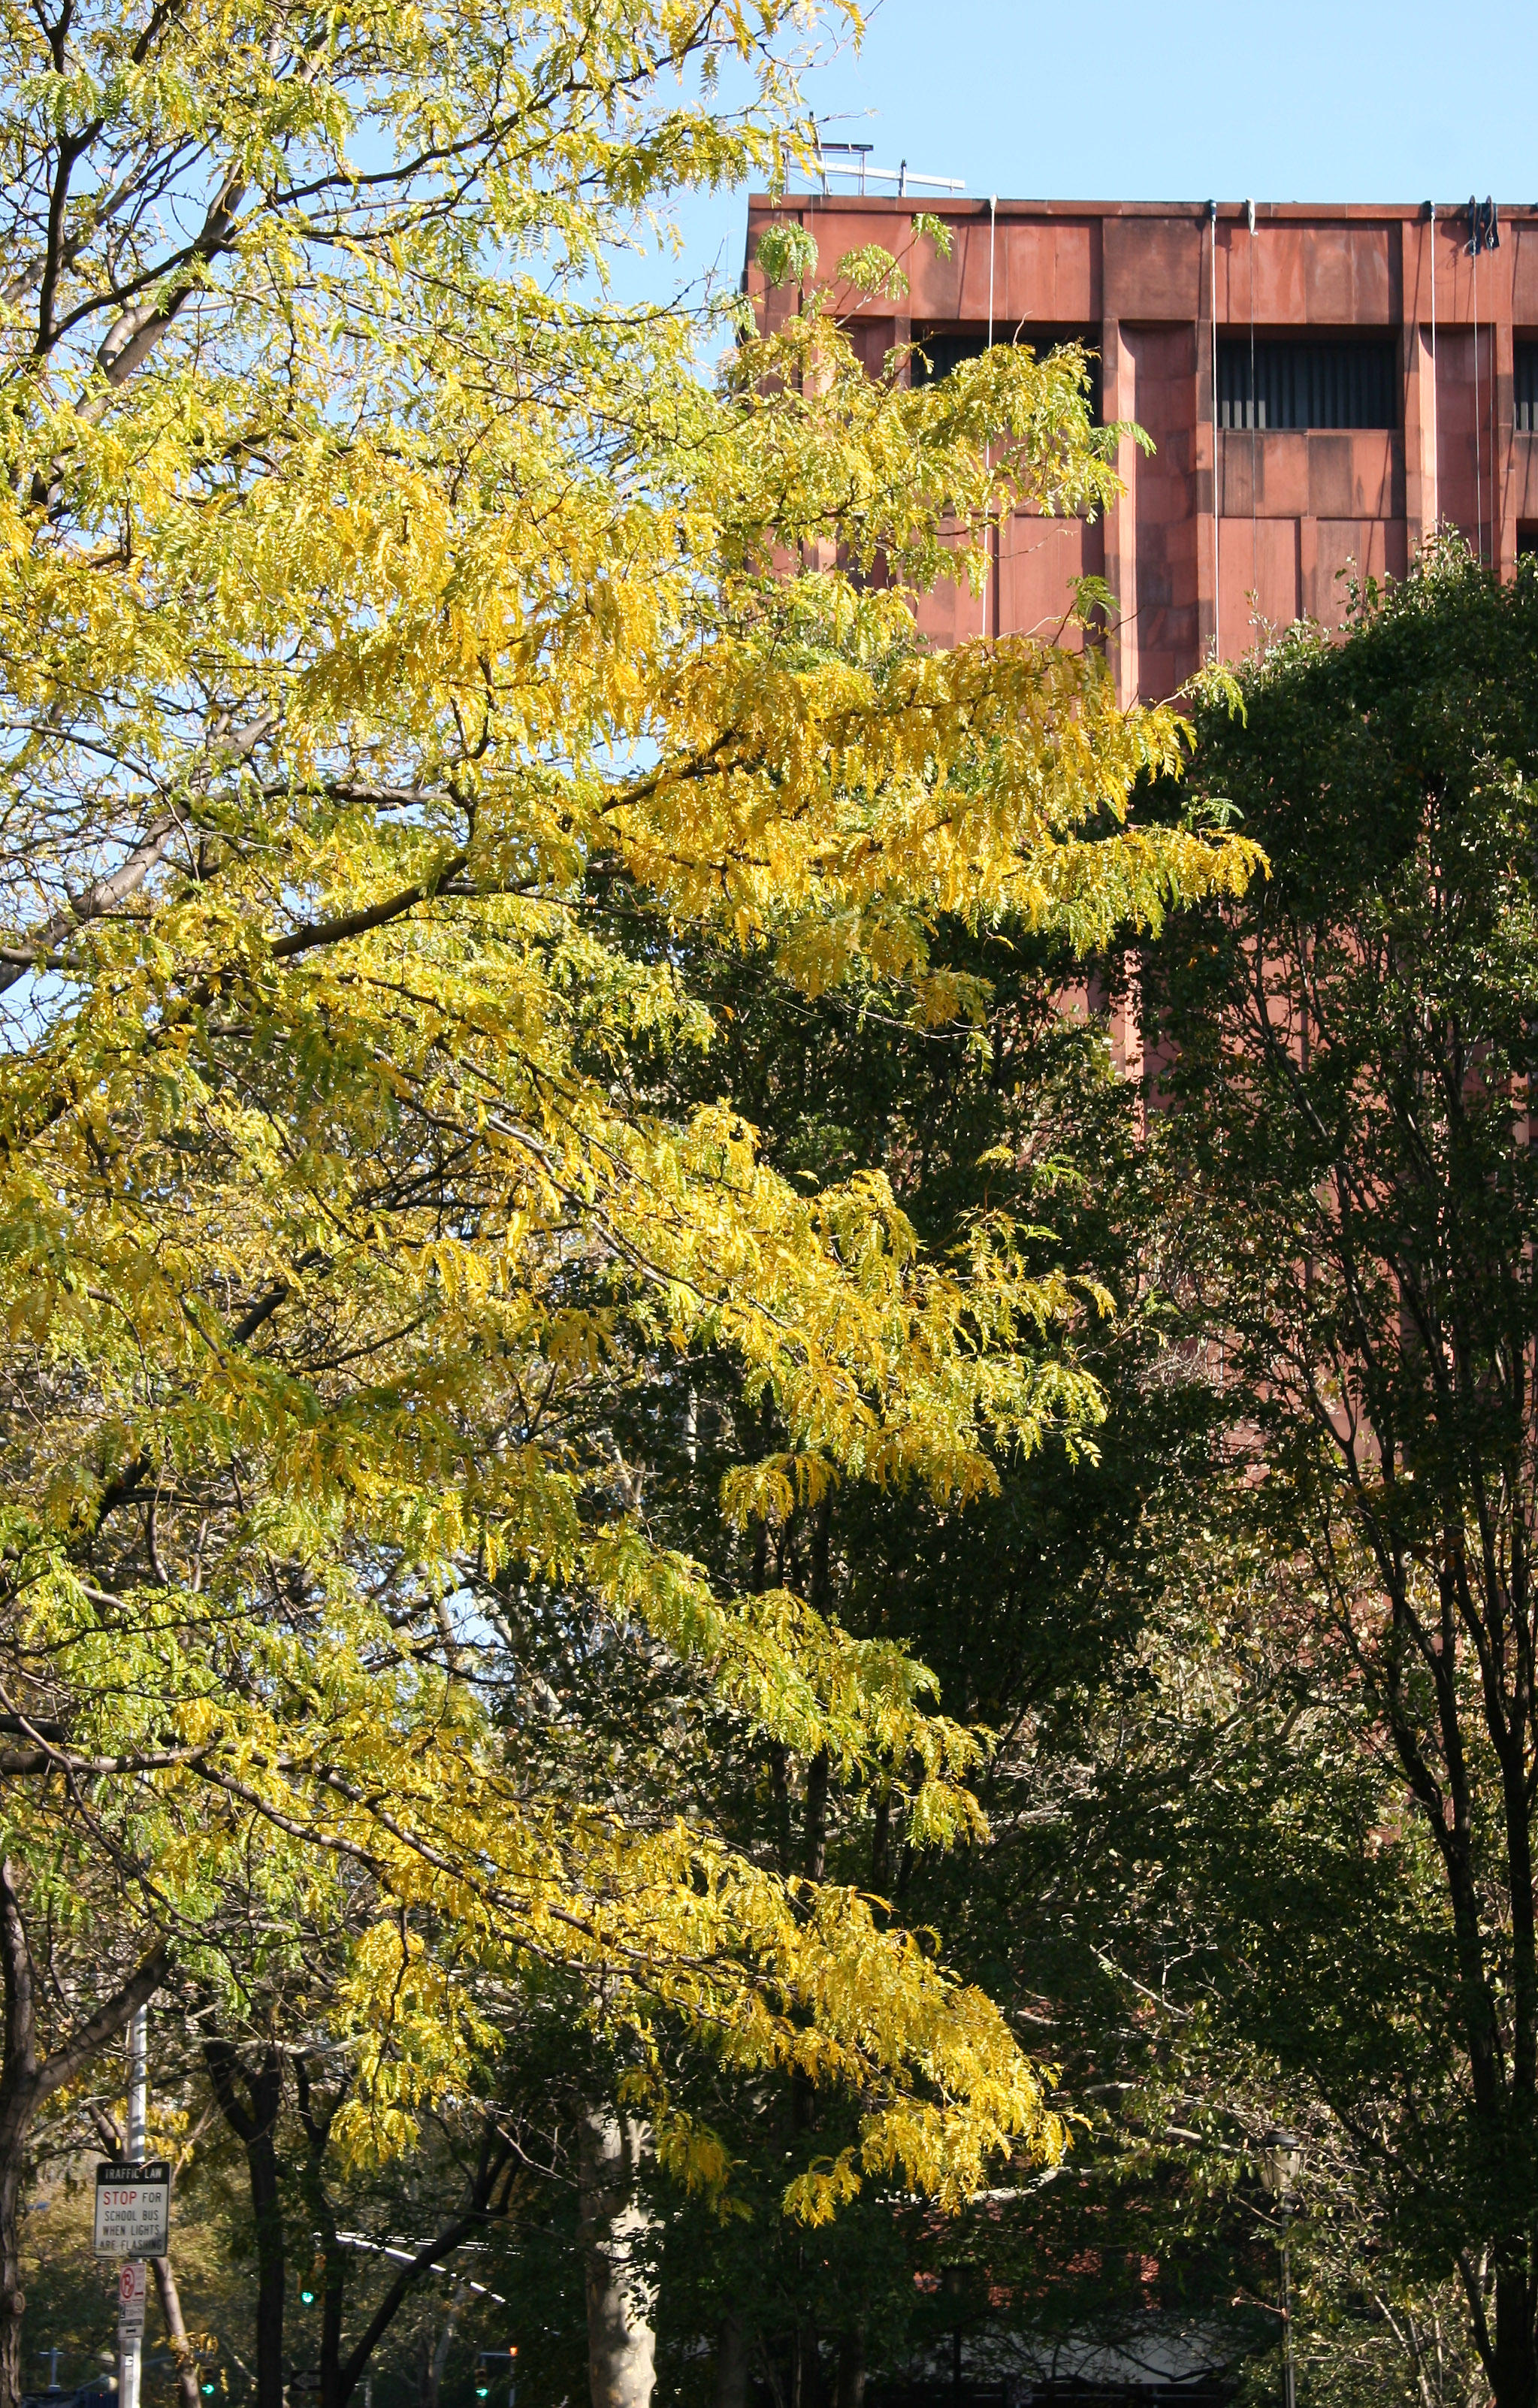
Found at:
[1421, 480]
[1348, 550]
[1039, 561]
[1258, 585]
[1165, 505]
[951, 614]
[1464, 424]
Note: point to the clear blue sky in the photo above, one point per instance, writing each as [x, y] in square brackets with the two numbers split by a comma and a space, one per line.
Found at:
[1274, 100]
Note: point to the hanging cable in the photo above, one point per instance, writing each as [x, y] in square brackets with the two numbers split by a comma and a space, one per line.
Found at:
[1478, 472]
[1211, 213]
[992, 228]
[1436, 413]
[1492, 242]
[1484, 234]
[1253, 421]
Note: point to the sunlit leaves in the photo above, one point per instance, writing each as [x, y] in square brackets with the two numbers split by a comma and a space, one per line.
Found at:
[402, 646]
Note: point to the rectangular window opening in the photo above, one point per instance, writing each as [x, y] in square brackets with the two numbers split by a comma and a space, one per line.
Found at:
[1526, 385]
[941, 347]
[1303, 381]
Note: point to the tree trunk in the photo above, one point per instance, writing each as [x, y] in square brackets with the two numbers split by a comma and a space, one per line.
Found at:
[805, 2369]
[881, 1843]
[333, 2301]
[12, 2299]
[490, 2195]
[732, 2364]
[779, 1791]
[316, 2113]
[176, 2331]
[851, 2369]
[439, 2362]
[26, 2080]
[613, 2229]
[816, 1858]
[254, 2121]
[268, 2216]
[1513, 2374]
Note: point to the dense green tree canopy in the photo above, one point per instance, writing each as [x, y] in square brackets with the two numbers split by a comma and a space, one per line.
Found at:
[1352, 1135]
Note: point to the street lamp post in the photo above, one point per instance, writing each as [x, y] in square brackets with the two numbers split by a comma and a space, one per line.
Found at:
[1281, 2158]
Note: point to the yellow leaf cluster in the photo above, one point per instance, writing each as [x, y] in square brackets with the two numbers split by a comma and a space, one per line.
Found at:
[405, 648]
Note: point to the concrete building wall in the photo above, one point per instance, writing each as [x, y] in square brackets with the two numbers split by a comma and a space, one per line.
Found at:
[1149, 285]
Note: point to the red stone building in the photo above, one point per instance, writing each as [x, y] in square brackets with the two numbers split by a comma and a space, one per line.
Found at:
[1341, 378]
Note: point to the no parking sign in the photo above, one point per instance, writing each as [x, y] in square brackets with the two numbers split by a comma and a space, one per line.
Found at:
[131, 2288]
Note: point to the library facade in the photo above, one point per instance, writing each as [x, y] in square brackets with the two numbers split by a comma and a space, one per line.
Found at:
[1324, 386]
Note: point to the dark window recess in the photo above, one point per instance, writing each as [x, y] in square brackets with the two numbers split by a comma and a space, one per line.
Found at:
[1300, 384]
[940, 348]
[1527, 388]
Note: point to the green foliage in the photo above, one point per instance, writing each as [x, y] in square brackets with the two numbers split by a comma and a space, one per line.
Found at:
[1356, 1048]
[928, 227]
[874, 272]
[1042, 1608]
[787, 253]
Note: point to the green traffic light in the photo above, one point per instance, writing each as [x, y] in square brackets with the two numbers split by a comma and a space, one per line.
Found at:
[309, 2298]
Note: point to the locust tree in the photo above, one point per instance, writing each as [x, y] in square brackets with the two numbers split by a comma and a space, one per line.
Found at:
[398, 649]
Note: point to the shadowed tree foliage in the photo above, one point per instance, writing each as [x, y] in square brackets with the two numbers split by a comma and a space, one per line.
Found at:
[1351, 1139]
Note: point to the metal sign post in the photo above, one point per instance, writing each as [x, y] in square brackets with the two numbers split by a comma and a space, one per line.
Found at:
[143, 2231]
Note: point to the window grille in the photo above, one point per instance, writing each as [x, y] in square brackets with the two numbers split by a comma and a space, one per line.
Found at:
[1307, 382]
[940, 348]
[1527, 388]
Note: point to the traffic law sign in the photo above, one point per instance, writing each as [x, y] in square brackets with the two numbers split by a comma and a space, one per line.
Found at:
[131, 2289]
[134, 2209]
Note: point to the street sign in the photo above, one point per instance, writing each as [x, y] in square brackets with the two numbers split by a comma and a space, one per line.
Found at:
[131, 2287]
[134, 2209]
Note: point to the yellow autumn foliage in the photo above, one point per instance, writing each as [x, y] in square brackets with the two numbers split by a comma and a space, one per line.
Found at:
[403, 642]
